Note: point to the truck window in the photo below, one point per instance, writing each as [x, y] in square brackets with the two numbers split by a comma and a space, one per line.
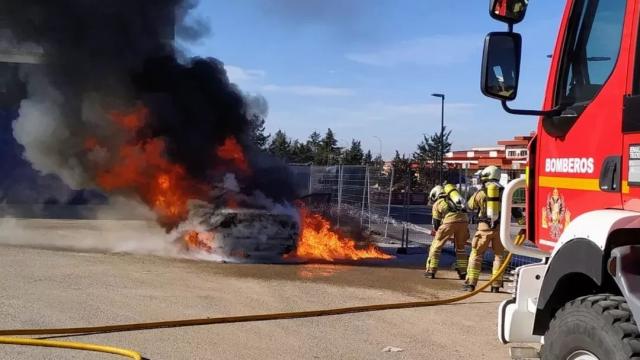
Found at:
[591, 49]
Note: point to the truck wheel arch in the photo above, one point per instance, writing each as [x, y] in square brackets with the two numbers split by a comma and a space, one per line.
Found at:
[567, 279]
[578, 263]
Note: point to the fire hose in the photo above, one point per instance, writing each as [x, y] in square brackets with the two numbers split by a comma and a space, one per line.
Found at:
[90, 330]
[72, 346]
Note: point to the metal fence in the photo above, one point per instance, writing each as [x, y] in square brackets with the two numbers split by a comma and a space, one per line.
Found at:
[391, 209]
[356, 193]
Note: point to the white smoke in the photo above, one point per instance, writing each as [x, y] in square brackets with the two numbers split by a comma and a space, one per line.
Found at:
[42, 128]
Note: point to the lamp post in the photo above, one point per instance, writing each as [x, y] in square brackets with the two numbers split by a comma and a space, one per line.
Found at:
[441, 152]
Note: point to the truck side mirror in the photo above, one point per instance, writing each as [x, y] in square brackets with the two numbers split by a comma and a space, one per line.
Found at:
[508, 11]
[501, 65]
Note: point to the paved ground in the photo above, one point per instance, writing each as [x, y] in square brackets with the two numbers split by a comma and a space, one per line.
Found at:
[55, 287]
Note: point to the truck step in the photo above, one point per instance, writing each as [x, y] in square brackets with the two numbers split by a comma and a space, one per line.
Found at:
[523, 353]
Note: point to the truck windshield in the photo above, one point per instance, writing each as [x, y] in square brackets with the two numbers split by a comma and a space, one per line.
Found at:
[591, 49]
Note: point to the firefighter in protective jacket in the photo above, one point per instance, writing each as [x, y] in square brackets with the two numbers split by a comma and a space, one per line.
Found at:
[486, 203]
[449, 220]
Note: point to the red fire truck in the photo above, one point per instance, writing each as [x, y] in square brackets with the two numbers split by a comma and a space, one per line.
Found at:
[581, 300]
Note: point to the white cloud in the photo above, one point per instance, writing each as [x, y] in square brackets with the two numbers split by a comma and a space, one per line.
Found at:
[309, 90]
[436, 50]
[237, 74]
[254, 79]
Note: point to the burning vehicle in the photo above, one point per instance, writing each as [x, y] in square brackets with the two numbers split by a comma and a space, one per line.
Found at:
[120, 111]
[243, 233]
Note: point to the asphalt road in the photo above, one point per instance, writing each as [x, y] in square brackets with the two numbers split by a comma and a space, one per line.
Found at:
[55, 287]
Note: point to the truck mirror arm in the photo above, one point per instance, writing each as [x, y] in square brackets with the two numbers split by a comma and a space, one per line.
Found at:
[553, 112]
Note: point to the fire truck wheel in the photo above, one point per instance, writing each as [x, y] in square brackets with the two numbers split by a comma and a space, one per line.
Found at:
[594, 327]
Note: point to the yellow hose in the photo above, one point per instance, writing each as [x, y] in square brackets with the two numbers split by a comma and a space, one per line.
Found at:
[71, 345]
[260, 317]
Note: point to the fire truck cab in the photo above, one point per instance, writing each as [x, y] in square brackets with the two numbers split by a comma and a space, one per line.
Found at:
[581, 300]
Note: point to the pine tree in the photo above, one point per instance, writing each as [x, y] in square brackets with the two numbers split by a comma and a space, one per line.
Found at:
[353, 155]
[313, 143]
[378, 162]
[280, 146]
[329, 151]
[427, 156]
[257, 131]
[301, 153]
[402, 173]
[367, 159]
[428, 151]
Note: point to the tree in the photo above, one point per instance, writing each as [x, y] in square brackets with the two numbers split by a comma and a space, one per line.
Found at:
[329, 153]
[301, 153]
[428, 151]
[313, 143]
[280, 146]
[257, 131]
[367, 159]
[427, 156]
[402, 171]
[378, 162]
[353, 155]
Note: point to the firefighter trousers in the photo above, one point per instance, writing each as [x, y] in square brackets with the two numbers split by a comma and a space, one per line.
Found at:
[484, 237]
[460, 234]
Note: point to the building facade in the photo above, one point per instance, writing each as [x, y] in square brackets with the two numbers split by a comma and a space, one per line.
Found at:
[507, 154]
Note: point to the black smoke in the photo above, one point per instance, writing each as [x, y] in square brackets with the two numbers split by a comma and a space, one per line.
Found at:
[105, 56]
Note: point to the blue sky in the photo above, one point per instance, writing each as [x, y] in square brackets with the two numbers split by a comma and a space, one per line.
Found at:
[366, 68]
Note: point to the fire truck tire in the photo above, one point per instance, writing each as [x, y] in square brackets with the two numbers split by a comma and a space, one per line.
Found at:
[593, 327]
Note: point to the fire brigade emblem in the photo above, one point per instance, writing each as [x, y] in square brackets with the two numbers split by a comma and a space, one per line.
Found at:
[555, 215]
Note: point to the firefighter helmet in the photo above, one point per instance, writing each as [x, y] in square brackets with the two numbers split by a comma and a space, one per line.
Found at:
[490, 173]
[436, 192]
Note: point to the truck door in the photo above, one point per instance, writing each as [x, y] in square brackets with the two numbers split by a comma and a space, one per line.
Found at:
[579, 159]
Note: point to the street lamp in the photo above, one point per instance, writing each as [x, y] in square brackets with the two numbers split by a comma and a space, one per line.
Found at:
[441, 155]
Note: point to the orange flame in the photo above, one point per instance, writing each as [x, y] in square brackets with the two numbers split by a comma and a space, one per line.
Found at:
[199, 240]
[232, 151]
[143, 168]
[90, 143]
[131, 120]
[318, 241]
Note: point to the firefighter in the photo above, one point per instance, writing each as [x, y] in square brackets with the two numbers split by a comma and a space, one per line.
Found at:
[449, 220]
[486, 203]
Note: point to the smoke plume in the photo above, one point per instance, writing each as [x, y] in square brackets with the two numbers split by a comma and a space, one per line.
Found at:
[111, 106]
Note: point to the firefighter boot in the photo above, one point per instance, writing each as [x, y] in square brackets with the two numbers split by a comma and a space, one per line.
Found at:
[462, 274]
[430, 274]
[495, 289]
[468, 287]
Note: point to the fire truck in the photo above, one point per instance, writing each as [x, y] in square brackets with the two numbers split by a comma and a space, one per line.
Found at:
[581, 301]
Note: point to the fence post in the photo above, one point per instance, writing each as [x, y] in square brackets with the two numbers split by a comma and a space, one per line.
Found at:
[310, 179]
[340, 171]
[364, 193]
[369, 196]
[386, 225]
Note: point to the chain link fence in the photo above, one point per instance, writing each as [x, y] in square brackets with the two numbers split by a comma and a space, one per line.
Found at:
[391, 205]
[355, 194]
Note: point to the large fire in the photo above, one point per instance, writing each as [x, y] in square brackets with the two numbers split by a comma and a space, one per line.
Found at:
[232, 151]
[318, 241]
[141, 166]
[199, 240]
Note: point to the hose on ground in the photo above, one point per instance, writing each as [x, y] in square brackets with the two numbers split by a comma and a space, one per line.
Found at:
[259, 317]
[72, 346]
